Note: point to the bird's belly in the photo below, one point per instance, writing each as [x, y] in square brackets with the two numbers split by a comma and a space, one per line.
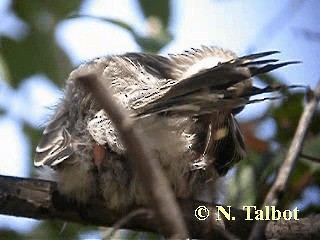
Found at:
[170, 139]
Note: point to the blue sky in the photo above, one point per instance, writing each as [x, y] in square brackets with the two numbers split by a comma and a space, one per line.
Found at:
[243, 26]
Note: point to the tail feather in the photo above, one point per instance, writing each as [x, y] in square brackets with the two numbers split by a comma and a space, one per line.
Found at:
[268, 68]
[258, 55]
[220, 83]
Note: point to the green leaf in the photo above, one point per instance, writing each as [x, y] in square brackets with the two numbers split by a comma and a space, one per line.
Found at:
[117, 22]
[241, 188]
[287, 116]
[32, 11]
[7, 234]
[269, 79]
[37, 53]
[152, 44]
[56, 229]
[311, 148]
[159, 9]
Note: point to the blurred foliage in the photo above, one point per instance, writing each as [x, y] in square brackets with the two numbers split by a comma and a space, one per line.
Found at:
[287, 116]
[52, 229]
[157, 18]
[159, 9]
[38, 52]
[128, 234]
[152, 42]
[59, 230]
[254, 176]
[34, 135]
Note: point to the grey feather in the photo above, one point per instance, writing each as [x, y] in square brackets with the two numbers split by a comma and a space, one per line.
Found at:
[55, 147]
[185, 105]
[214, 87]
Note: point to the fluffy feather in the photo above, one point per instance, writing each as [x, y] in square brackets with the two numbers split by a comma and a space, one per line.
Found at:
[185, 102]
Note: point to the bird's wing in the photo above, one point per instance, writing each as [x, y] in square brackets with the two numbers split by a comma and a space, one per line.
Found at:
[55, 145]
[156, 65]
[216, 88]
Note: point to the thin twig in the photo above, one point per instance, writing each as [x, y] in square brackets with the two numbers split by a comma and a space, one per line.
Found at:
[279, 186]
[311, 158]
[153, 180]
[120, 223]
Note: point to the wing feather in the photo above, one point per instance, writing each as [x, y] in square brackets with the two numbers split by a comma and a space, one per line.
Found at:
[55, 145]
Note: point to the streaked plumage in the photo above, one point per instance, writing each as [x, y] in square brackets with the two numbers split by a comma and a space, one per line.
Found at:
[186, 103]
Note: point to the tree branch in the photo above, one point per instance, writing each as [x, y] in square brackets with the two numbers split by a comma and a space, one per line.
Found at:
[279, 186]
[39, 199]
[148, 169]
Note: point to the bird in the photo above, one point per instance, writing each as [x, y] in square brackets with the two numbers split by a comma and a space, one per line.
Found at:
[185, 104]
